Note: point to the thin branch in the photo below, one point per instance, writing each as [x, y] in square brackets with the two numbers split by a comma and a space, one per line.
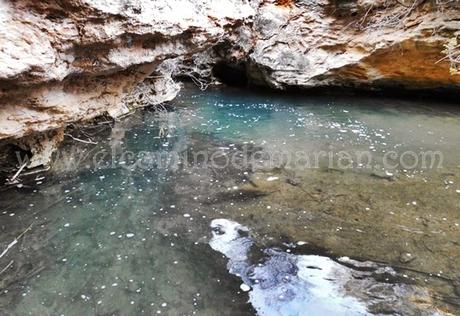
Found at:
[15, 241]
[14, 177]
[365, 16]
[81, 140]
[35, 171]
[6, 268]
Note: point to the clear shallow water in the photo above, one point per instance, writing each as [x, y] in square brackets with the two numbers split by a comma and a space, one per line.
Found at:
[287, 123]
[114, 234]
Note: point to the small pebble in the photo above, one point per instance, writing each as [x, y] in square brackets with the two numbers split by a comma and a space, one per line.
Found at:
[245, 288]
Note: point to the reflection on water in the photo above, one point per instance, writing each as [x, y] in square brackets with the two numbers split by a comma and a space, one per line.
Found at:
[286, 284]
[111, 238]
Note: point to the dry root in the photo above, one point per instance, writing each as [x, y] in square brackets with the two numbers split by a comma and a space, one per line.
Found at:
[452, 52]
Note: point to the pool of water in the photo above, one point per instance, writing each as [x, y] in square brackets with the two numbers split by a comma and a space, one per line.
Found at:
[233, 202]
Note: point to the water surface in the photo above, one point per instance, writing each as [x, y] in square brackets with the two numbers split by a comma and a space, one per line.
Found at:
[116, 230]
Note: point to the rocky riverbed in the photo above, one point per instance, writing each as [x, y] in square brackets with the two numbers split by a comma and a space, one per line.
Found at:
[114, 229]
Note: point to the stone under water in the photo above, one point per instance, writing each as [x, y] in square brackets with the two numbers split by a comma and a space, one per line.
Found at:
[193, 210]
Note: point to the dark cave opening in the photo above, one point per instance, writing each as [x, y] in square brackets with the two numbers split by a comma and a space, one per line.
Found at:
[231, 74]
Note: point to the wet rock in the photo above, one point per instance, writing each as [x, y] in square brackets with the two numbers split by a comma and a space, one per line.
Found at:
[406, 257]
[41, 147]
[383, 175]
[456, 285]
[293, 182]
[358, 265]
[283, 283]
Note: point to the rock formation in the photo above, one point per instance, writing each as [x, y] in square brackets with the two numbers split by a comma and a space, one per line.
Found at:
[72, 60]
[281, 283]
[69, 60]
[354, 43]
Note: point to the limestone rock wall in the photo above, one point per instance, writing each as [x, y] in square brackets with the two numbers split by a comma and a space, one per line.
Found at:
[64, 61]
[373, 43]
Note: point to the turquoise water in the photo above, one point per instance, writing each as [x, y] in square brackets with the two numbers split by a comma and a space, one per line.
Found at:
[115, 230]
[289, 123]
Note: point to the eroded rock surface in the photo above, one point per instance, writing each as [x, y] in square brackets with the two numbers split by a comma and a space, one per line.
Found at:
[353, 43]
[66, 61]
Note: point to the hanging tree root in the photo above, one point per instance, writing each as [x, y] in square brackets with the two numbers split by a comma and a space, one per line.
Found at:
[81, 140]
[452, 54]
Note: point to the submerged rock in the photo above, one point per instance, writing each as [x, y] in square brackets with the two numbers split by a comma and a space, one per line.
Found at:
[286, 284]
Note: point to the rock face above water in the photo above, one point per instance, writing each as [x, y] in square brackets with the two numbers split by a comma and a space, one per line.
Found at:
[369, 43]
[68, 61]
